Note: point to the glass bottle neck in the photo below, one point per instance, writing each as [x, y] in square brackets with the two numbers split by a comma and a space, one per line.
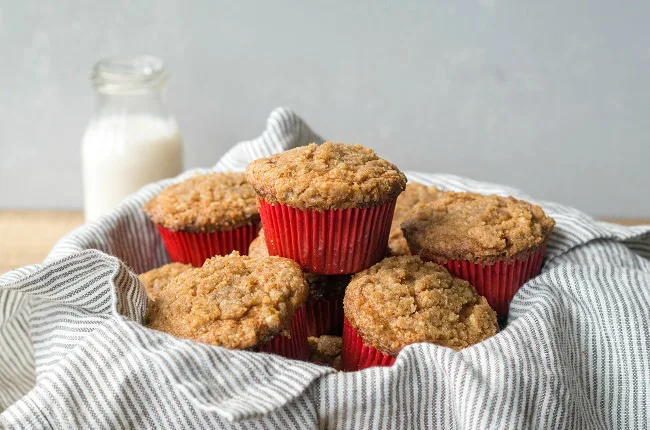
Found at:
[130, 85]
[152, 102]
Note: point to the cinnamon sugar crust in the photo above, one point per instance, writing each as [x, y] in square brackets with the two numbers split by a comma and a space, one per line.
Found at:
[403, 300]
[478, 228]
[157, 279]
[205, 203]
[326, 176]
[232, 301]
[414, 194]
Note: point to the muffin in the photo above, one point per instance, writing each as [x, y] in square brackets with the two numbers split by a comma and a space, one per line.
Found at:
[404, 300]
[237, 302]
[325, 350]
[329, 207]
[324, 307]
[258, 248]
[158, 278]
[496, 243]
[205, 215]
[414, 194]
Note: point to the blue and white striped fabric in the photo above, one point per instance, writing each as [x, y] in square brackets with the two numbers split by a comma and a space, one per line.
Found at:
[575, 353]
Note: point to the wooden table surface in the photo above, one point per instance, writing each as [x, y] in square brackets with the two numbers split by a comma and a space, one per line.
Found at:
[26, 236]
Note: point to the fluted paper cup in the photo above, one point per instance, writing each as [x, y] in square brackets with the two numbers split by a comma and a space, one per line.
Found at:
[331, 242]
[498, 282]
[355, 355]
[195, 248]
[325, 316]
[295, 346]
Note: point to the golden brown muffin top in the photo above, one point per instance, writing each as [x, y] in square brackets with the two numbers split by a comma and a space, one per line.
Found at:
[414, 194]
[325, 350]
[157, 279]
[474, 227]
[403, 300]
[205, 203]
[327, 176]
[258, 248]
[232, 301]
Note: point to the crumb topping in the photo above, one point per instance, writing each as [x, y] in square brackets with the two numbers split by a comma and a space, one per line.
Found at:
[232, 301]
[474, 227]
[205, 203]
[403, 300]
[327, 176]
[157, 279]
[414, 194]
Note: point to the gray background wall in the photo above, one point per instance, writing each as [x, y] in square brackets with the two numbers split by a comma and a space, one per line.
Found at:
[548, 96]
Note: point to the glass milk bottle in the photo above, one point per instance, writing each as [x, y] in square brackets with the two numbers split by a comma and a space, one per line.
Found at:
[132, 139]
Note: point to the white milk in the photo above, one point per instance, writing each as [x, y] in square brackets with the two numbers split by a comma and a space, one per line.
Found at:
[121, 153]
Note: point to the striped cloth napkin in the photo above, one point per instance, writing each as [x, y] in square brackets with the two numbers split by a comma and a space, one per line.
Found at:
[74, 354]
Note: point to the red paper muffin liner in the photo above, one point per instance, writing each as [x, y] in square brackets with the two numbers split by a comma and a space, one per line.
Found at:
[331, 242]
[498, 282]
[195, 248]
[356, 356]
[325, 316]
[294, 347]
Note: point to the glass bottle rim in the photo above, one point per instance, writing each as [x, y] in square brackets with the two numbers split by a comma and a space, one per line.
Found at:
[129, 75]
